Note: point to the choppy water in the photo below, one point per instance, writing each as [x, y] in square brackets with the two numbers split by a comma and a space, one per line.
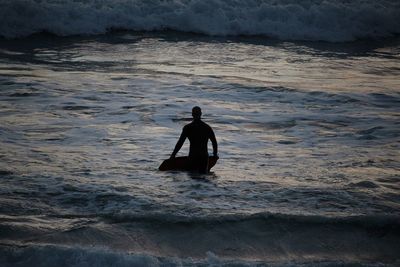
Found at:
[309, 143]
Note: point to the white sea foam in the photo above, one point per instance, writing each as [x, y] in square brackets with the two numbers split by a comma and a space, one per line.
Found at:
[328, 20]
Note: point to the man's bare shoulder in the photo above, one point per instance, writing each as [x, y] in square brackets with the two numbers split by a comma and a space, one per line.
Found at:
[188, 125]
[208, 127]
[196, 124]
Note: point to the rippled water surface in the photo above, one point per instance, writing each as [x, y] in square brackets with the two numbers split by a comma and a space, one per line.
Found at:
[309, 130]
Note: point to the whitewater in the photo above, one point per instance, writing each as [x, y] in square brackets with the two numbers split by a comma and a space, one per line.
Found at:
[304, 99]
[326, 20]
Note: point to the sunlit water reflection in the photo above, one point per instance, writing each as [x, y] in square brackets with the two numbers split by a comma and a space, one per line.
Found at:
[303, 128]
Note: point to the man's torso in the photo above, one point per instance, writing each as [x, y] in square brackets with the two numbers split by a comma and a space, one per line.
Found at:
[198, 133]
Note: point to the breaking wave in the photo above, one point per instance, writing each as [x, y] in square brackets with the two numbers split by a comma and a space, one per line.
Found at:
[326, 20]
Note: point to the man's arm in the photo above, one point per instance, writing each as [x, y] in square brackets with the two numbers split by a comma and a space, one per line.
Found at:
[179, 144]
[214, 143]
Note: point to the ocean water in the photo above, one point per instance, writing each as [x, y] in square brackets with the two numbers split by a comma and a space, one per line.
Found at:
[304, 99]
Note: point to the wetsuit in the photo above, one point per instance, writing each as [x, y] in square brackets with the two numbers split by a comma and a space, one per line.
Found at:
[198, 133]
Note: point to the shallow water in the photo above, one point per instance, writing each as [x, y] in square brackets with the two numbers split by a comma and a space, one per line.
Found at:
[308, 135]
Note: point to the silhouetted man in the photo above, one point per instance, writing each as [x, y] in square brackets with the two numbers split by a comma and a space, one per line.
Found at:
[198, 133]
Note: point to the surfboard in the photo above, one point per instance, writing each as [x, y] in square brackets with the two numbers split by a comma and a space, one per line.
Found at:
[181, 164]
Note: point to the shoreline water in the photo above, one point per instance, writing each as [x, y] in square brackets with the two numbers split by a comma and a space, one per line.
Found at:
[266, 240]
[86, 120]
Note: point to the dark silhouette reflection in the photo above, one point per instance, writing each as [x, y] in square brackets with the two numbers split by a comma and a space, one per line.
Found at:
[198, 133]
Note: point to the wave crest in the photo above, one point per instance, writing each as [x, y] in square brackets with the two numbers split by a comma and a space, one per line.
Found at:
[327, 20]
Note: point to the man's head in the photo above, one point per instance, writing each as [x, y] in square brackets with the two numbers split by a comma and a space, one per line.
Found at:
[196, 112]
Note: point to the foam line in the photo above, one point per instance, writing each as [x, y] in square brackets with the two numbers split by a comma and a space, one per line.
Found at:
[327, 20]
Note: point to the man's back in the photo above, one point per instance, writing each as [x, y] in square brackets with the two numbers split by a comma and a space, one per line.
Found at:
[198, 133]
